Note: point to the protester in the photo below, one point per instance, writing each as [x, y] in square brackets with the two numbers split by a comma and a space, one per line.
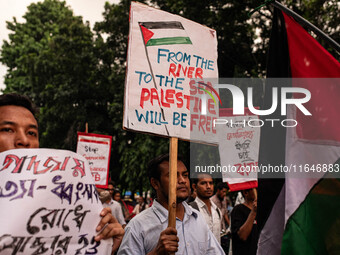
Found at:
[19, 129]
[244, 225]
[111, 188]
[117, 195]
[204, 187]
[147, 233]
[141, 206]
[220, 199]
[115, 207]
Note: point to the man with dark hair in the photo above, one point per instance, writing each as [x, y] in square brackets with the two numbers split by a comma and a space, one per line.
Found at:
[19, 129]
[244, 225]
[111, 187]
[147, 233]
[18, 125]
[220, 199]
[18, 100]
[204, 187]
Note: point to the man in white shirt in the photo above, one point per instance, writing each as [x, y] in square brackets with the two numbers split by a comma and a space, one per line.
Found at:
[116, 209]
[204, 187]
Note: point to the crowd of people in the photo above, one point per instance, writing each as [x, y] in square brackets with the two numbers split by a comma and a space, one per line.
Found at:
[232, 230]
[204, 221]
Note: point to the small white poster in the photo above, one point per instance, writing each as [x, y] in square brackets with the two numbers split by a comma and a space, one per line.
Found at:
[97, 150]
[239, 142]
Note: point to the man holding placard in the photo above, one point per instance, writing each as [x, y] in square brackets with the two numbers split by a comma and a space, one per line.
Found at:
[147, 233]
[19, 130]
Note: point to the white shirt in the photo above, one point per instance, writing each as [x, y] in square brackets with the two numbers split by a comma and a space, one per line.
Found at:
[213, 220]
[143, 231]
[116, 210]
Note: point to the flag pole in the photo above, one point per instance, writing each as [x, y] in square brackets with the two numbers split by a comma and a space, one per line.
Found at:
[172, 181]
[305, 22]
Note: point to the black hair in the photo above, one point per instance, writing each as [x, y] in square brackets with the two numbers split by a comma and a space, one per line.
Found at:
[245, 190]
[221, 186]
[111, 183]
[153, 165]
[195, 180]
[116, 191]
[18, 100]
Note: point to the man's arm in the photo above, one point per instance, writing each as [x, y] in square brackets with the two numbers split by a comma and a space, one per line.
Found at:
[246, 228]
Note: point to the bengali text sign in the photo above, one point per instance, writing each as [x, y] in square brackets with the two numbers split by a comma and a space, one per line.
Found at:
[239, 141]
[49, 204]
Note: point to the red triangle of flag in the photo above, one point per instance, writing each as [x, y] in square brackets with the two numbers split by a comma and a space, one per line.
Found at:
[147, 34]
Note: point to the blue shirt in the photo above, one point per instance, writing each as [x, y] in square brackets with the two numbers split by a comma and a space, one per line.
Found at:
[143, 231]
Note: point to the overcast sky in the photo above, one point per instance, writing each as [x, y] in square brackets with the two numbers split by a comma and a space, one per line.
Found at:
[91, 10]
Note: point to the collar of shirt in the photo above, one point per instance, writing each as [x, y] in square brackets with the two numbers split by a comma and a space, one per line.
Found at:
[201, 204]
[162, 213]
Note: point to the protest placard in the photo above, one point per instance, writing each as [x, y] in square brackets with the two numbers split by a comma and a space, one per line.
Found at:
[49, 204]
[169, 61]
[239, 141]
[97, 150]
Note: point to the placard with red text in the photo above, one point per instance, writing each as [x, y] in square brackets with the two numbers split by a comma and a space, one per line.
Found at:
[239, 142]
[96, 149]
[49, 204]
[169, 62]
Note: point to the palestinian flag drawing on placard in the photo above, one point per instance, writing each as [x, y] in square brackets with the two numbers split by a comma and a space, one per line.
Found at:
[301, 215]
[163, 33]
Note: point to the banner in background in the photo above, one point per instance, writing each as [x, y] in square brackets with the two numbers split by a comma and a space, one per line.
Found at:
[97, 150]
[49, 204]
[239, 149]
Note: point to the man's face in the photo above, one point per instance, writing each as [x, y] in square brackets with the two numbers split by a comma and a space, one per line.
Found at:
[18, 128]
[111, 189]
[117, 197]
[183, 182]
[250, 195]
[204, 187]
[221, 193]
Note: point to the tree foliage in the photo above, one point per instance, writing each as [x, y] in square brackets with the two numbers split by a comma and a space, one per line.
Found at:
[51, 59]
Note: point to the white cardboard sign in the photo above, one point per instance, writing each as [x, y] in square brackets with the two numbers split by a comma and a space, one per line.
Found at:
[97, 150]
[239, 149]
[167, 58]
[49, 204]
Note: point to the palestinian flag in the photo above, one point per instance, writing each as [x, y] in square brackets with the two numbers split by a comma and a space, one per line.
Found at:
[163, 33]
[301, 215]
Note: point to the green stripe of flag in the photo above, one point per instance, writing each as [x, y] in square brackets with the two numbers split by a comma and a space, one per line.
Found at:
[168, 41]
[314, 229]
